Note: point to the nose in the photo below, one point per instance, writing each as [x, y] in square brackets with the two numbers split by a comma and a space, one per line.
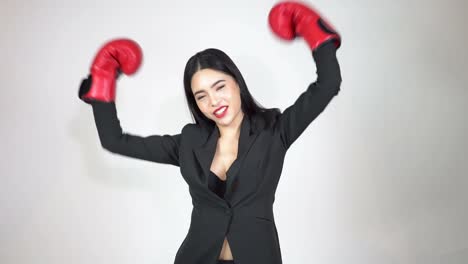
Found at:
[214, 101]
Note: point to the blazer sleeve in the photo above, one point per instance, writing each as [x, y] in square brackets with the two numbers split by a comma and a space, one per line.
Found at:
[297, 117]
[157, 148]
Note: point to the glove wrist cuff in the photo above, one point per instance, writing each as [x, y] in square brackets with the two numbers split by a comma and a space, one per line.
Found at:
[102, 89]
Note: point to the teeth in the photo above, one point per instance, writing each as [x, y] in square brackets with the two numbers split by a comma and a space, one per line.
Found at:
[220, 110]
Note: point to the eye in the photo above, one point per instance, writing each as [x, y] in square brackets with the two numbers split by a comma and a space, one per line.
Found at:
[221, 87]
[201, 97]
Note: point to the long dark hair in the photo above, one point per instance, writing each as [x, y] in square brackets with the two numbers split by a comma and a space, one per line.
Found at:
[218, 60]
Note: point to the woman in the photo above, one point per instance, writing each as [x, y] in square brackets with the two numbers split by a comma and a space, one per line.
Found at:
[232, 156]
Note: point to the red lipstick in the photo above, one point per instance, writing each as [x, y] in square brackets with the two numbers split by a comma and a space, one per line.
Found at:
[223, 113]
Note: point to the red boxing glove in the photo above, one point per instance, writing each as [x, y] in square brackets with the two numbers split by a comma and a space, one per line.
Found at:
[120, 55]
[290, 19]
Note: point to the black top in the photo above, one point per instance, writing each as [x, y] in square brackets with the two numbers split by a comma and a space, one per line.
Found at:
[216, 185]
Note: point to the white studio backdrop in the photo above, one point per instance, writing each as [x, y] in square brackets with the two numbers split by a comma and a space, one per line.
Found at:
[379, 177]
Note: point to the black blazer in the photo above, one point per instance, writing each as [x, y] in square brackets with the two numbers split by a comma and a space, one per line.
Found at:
[246, 215]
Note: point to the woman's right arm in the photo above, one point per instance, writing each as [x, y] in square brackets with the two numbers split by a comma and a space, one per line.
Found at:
[98, 90]
[156, 148]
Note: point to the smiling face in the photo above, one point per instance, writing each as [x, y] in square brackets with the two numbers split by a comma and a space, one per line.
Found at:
[213, 90]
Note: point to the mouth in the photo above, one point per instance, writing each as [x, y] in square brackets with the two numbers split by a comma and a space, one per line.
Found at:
[221, 112]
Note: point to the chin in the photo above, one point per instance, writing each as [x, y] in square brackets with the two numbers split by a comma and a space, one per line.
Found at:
[224, 122]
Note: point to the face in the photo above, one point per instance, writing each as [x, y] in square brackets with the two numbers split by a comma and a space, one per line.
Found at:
[214, 89]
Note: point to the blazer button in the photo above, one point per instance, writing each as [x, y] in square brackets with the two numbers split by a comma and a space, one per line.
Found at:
[228, 211]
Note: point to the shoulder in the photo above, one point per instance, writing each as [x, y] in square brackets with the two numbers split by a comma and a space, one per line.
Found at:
[193, 131]
[189, 128]
[266, 119]
[192, 135]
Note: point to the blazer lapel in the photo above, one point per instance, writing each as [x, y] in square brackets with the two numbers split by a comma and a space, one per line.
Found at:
[205, 154]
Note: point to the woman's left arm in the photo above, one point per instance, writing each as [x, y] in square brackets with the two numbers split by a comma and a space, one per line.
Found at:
[297, 117]
[288, 20]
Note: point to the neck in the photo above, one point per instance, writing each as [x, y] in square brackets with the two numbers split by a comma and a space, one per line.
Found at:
[233, 130]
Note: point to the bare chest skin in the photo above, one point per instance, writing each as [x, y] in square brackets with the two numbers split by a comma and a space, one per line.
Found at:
[226, 154]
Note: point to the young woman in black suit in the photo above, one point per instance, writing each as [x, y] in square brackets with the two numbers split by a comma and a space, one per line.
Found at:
[221, 105]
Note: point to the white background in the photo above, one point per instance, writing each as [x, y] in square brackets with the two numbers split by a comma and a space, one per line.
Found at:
[379, 177]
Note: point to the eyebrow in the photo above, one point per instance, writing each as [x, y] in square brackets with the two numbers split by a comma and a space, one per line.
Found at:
[202, 90]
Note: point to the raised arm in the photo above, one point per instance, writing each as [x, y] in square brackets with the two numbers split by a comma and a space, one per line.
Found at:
[156, 148]
[311, 103]
[289, 20]
[98, 90]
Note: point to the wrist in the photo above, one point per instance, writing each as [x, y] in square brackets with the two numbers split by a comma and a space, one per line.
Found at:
[102, 89]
